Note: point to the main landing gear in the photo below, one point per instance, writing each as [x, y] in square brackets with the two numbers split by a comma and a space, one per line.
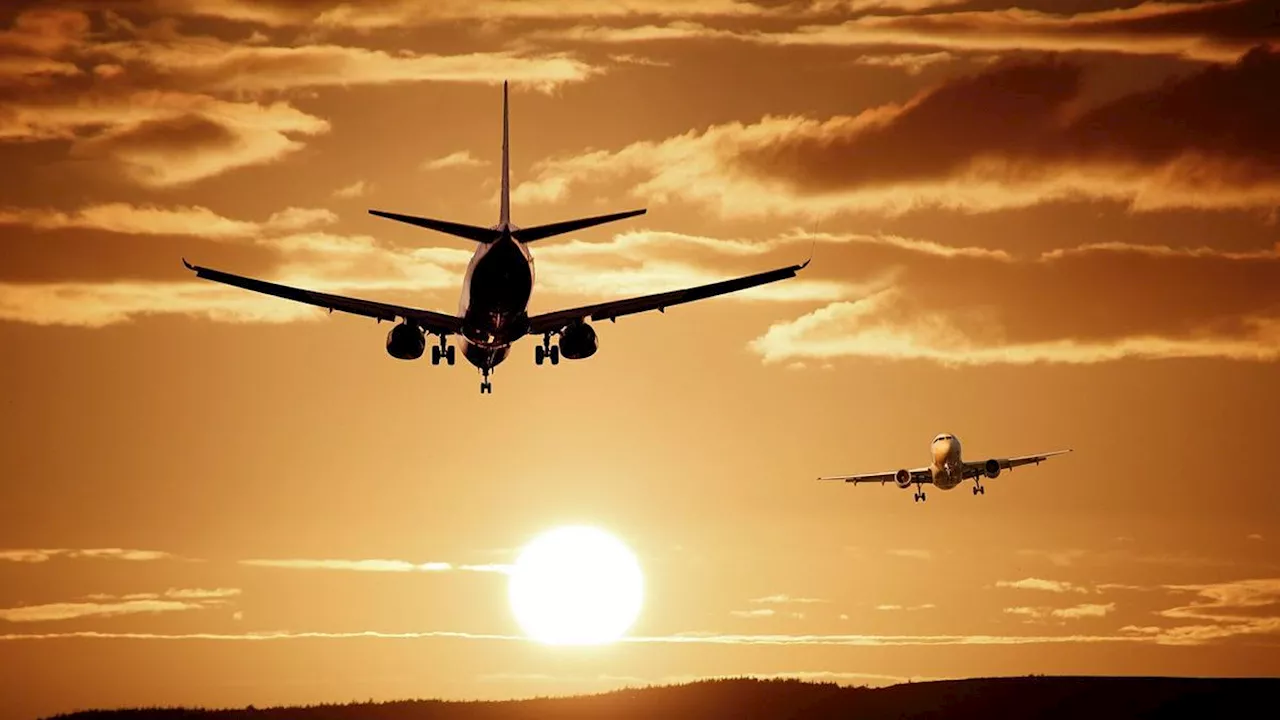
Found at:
[978, 489]
[443, 351]
[546, 351]
[919, 493]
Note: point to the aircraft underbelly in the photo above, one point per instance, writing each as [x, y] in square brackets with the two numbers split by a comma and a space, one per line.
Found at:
[496, 306]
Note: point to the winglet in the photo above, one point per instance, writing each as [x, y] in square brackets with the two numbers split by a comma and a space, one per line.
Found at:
[812, 247]
[187, 264]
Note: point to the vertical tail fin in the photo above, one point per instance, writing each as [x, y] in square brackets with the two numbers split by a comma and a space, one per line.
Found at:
[504, 214]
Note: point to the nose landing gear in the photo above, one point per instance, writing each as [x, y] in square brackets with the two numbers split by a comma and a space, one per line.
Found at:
[486, 387]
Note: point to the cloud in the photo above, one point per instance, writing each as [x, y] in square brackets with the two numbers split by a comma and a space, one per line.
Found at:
[44, 555]
[1254, 536]
[1213, 31]
[914, 554]
[1219, 612]
[757, 613]
[106, 605]
[784, 599]
[1056, 586]
[1015, 135]
[926, 314]
[461, 158]
[354, 190]
[169, 109]
[913, 63]
[191, 221]
[908, 608]
[70, 611]
[373, 565]
[630, 264]
[1075, 612]
[1218, 31]
[679, 639]
[1084, 611]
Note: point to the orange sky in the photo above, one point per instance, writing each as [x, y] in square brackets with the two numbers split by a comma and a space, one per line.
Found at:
[1032, 230]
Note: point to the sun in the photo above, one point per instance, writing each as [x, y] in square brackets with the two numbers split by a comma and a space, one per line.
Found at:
[576, 586]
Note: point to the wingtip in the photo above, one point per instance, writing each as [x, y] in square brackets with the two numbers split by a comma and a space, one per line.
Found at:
[812, 246]
[187, 265]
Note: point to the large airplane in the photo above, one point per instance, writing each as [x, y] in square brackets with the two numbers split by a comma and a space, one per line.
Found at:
[948, 469]
[493, 308]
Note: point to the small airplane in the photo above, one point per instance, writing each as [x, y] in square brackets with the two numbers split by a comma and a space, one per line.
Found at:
[493, 308]
[948, 470]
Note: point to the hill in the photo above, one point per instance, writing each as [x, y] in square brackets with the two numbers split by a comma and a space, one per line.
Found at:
[1094, 698]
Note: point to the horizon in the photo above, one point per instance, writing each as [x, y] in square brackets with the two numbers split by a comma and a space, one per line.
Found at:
[1033, 224]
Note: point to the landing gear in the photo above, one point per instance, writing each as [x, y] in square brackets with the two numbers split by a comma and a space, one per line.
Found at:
[919, 493]
[546, 351]
[443, 351]
[978, 489]
[485, 386]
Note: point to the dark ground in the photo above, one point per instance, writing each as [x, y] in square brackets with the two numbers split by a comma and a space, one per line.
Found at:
[1078, 698]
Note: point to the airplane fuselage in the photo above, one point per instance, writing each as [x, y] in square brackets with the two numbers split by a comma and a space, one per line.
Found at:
[494, 304]
[947, 468]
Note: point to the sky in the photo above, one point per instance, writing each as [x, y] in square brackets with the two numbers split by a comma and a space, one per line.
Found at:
[1038, 225]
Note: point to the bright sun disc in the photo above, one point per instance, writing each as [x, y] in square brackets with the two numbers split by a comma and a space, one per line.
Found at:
[575, 586]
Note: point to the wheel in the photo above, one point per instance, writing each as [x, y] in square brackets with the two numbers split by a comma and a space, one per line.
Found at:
[975, 490]
[922, 497]
[450, 355]
[916, 497]
[555, 355]
[486, 388]
[539, 354]
[435, 354]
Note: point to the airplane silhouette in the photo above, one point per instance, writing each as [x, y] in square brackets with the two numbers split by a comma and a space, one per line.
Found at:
[493, 308]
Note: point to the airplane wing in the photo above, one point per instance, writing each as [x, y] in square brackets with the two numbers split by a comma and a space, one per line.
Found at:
[432, 322]
[918, 475]
[974, 469]
[555, 321]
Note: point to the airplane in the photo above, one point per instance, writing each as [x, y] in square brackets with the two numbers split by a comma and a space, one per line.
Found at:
[947, 469]
[493, 307]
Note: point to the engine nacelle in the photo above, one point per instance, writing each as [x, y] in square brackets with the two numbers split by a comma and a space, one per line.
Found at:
[991, 468]
[903, 478]
[578, 341]
[406, 342]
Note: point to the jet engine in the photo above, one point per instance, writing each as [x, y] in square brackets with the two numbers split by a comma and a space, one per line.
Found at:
[903, 478]
[991, 468]
[578, 341]
[406, 342]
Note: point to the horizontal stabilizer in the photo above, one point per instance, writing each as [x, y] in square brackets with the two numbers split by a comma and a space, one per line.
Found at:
[470, 232]
[537, 232]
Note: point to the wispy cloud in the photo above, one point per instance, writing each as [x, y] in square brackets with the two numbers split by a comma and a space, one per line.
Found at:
[679, 639]
[783, 599]
[106, 605]
[373, 565]
[193, 221]
[1075, 612]
[1057, 586]
[1007, 146]
[907, 608]
[913, 553]
[1220, 611]
[356, 189]
[756, 613]
[459, 159]
[46, 554]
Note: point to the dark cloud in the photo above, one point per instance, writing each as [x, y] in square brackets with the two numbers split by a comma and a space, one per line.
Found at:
[1213, 131]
